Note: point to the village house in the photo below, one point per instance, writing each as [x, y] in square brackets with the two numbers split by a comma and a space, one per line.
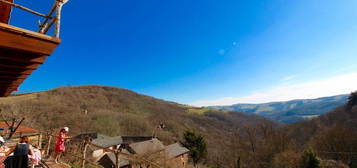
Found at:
[146, 147]
[153, 150]
[177, 155]
[106, 142]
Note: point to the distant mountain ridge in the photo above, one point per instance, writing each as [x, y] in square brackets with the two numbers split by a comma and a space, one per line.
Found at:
[291, 111]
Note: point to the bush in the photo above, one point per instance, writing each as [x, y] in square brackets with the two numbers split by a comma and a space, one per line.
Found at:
[310, 159]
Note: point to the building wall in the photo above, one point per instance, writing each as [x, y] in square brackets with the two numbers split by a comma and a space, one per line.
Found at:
[106, 162]
[97, 153]
[179, 161]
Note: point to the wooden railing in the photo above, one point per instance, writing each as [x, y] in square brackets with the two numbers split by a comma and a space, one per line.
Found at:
[82, 156]
[49, 18]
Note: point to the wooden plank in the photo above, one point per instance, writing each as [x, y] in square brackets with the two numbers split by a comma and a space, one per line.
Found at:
[5, 12]
[28, 33]
[8, 91]
[25, 67]
[4, 88]
[20, 65]
[22, 43]
[11, 82]
[2, 77]
[23, 57]
[38, 60]
[21, 52]
[23, 72]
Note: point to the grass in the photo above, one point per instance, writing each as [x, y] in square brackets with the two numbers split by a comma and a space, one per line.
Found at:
[199, 111]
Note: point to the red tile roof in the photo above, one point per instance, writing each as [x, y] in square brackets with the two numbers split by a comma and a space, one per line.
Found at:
[21, 129]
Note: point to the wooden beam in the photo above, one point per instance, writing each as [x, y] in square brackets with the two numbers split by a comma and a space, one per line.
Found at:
[11, 81]
[8, 91]
[22, 72]
[21, 65]
[2, 77]
[29, 33]
[24, 40]
[13, 57]
[4, 88]
[5, 12]
[32, 67]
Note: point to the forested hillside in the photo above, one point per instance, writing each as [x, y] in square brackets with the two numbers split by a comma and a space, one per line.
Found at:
[114, 111]
[234, 139]
[291, 111]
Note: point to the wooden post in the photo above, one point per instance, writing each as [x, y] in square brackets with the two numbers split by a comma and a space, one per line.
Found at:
[23, 8]
[39, 141]
[84, 154]
[59, 4]
[117, 159]
[58, 18]
[44, 24]
[49, 144]
[5, 12]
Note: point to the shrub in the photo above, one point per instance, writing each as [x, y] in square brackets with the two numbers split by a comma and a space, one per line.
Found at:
[196, 144]
[310, 159]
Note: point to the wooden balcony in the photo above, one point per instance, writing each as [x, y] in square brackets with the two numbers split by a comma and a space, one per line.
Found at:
[21, 52]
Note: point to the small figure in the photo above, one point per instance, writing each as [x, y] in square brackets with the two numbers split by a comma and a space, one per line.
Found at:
[60, 148]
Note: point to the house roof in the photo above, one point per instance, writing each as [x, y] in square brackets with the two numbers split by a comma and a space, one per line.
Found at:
[111, 156]
[106, 141]
[90, 135]
[147, 147]
[112, 141]
[21, 129]
[175, 150]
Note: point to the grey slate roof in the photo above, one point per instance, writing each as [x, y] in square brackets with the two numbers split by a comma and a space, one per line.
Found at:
[81, 137]
[106, 141]
[112, 141]
[147, 147]
[175, 150]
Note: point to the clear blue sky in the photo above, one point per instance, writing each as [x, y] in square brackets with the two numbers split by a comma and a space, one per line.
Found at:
[195, 50]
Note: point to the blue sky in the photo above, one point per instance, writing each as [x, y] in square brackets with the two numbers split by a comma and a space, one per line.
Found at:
[203, 52]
